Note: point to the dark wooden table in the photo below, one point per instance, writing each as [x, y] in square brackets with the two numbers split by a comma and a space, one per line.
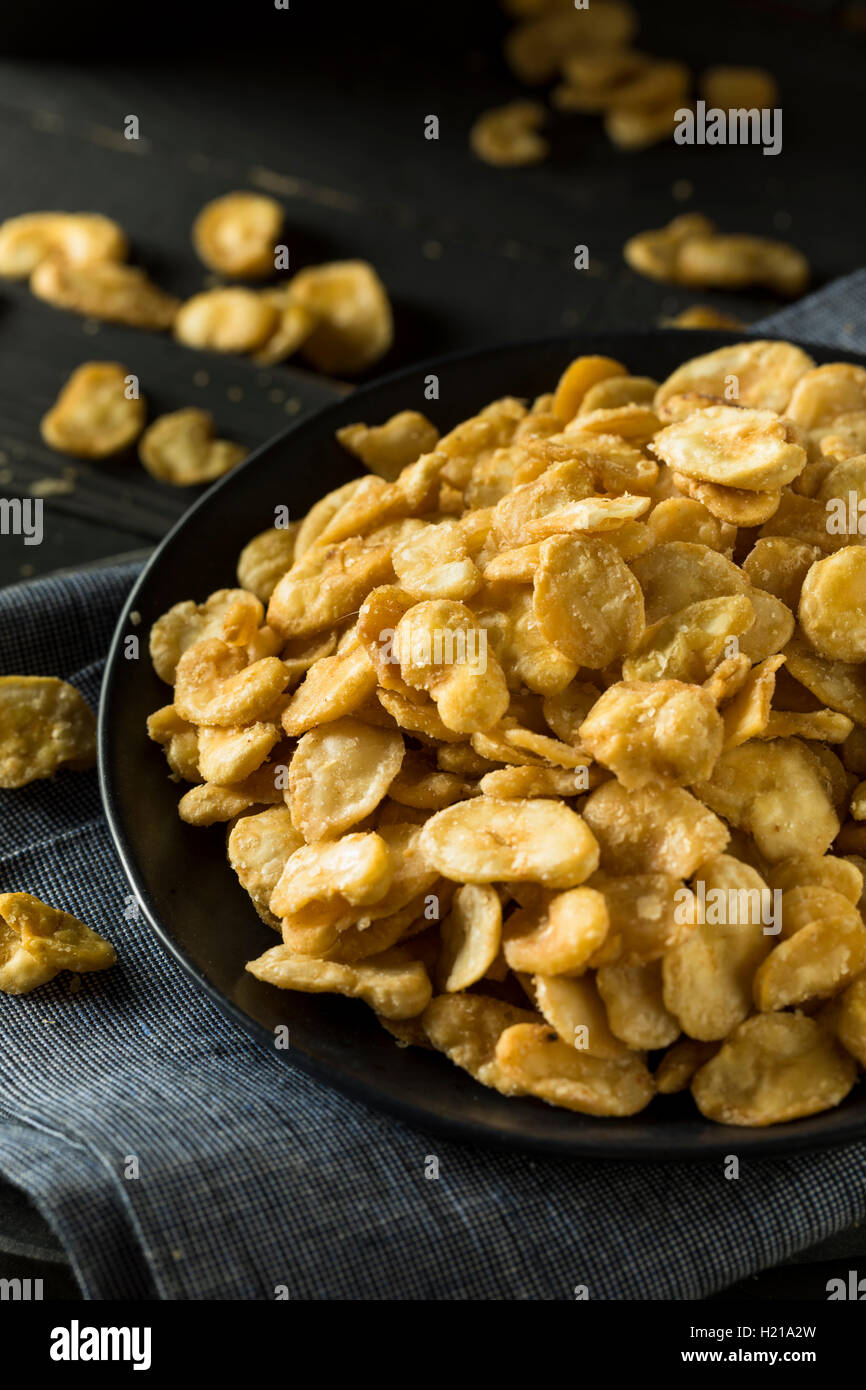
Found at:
[324, 106]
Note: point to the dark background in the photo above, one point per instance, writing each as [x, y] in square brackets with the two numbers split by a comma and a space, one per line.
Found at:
[323, 105]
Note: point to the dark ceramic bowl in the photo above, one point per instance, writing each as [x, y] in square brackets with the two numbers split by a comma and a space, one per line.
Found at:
[180, 874]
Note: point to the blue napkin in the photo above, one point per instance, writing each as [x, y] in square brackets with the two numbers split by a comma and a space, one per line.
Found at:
[175, 1158]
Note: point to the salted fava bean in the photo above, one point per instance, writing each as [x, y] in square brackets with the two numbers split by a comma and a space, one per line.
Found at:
[813, 902]
[104, 290]
[421, 784]
[676, 574]
[179, 739]
[233, 754]
[679, 1064]
[825, 393]
[579, 377]
[392, 985]
[766, 373]
[325, 584]
[566, 711]
[850, 1021]
[640, 128]
[654, 253]
[636, 1011]
[467, 1027]
[557, 936]
[542, 1065]
[649, 915]
[37, 941]
[823, 871]
[778, 565]
[487, 841]
[354, 325]
[266, 558]
[652, 830]
[733, 446]
[321, 881]
[180, 448]
[93, 417]
[441, 649]
[587, 602]
[259, 846]
[522, 782]
[689, 645]
[45, 724]
[188, 622]
[617, 391]
[731, 505]
[707, 978]
[527, 658]
[80, 237]
[684, 520]
[387, 449]
[735, 262]
[470, 937]
[339, 774]
[817, 962]
[665, 732]
[434, 562]
[210, 803]
[236, 234]
[773, 1068]
[293, 326]
[508, 135]
[841, 685]
[833, 605]
[226, 320]
[775, 791]
[575, 1010]
[215, 686]
[729, 87]
[748, 712]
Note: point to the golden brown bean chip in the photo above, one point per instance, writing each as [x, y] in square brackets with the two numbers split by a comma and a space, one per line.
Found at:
[210, 803]
[736, 262]
[320, 882]
[689, 645]
[733, 446]
[655, 253]
[266, 558]
[387, 449]
[326, 584]
[354, 323]
[293, 327]
[665, 732]
[470, 937]
[226, 756]
[558, 935]
[467, 1027]
[575, 1010]
[817, 962]
[339, 774]
[179, 738]
[78, 237]
[838, 684]
[636, 1012]
[93, 417]
[764, 374]
[486, 841]
[833, 605]
[237, 233]
[729, 87]
[679, 1064]
[259, 847]
[392, 985]
[179, 448]
[823, 871]
[679, 573]
[649, 915]
[653, 830]
[45, 724]
[587, 602]
[38, 941]
[187, 622]
[508, 135]
[226, 320]
[702, 316]
[540, 1064]
[707, 978]
[773, 1068]
[776, 792]
[104, 290]
[215, 686]
[850, 1023]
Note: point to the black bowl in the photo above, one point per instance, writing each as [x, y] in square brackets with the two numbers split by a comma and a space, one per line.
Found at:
[180, 874]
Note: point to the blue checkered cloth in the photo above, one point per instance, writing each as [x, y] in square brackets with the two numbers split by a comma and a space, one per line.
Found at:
[251, 1177]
